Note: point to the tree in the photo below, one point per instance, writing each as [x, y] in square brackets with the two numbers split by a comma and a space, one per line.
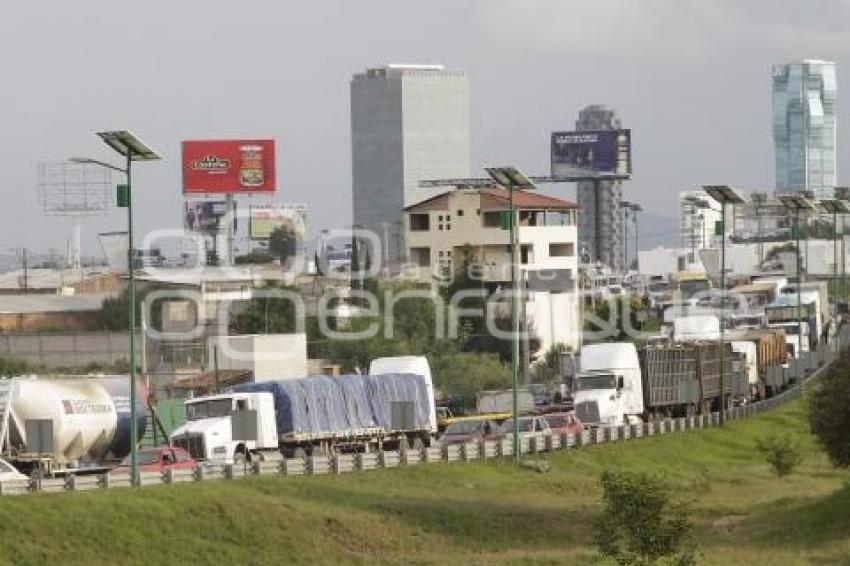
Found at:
[829, 416]
[461, 375]
[283, 243]
[267, 315]
[640, 524]
[255, 257]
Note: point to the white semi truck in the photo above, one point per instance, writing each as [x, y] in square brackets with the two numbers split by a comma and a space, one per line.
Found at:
[299, 417]
[618, 385]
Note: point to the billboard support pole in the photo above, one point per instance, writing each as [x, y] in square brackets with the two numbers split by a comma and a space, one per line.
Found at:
[230, 217]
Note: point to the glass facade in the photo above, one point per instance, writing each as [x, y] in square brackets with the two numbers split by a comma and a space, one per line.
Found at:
[804, 127]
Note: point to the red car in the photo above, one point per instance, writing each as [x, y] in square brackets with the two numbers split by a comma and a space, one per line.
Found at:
[563, 422]
[159, 459]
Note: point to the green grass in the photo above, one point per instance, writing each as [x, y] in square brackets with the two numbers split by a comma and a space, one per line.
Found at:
[452, 513]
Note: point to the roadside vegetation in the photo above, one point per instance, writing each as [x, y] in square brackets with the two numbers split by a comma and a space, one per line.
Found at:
[493, 512]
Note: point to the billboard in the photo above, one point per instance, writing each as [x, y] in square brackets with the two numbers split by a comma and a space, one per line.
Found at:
[591, 153]
[228, 166]
[266, 218]
[204, 216]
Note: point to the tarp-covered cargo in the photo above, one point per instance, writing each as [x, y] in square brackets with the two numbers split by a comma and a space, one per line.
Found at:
[347, 405]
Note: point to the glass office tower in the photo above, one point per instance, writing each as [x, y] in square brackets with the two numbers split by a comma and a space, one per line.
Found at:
[804, 127]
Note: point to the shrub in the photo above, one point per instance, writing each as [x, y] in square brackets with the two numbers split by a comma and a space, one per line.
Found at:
[828, 414]
[640, 523]
[781, 452]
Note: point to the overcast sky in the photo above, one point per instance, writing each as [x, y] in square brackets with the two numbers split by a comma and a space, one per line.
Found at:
[691, 78]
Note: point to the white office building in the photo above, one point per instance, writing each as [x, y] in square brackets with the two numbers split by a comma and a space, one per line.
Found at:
[408, 123]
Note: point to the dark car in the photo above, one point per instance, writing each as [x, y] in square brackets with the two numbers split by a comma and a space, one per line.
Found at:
[470, 430]
[542, 395]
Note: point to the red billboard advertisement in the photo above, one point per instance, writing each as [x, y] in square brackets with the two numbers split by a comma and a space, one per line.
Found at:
[228, 166]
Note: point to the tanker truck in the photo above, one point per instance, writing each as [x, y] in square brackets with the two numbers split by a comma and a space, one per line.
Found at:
[90, 417]
[299, 417]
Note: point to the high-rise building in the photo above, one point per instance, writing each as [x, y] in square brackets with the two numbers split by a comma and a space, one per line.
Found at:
[408, 123]
[601, 223]
[804, 127]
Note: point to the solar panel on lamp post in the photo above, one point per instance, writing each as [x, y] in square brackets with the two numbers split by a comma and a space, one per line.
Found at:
[511, 179]
[798, 204]
[129, 146]
[835, 206]
[724, 195]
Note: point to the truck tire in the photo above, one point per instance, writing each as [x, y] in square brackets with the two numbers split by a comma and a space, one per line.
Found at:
[418, 444]
[299, 453]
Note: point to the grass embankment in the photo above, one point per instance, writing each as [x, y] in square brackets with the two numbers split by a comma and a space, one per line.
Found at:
[481, 512]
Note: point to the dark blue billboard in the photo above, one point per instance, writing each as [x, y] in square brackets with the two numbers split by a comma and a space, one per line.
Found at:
[591, 153]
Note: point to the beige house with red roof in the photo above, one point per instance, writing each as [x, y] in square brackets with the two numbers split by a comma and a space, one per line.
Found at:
[439, 230]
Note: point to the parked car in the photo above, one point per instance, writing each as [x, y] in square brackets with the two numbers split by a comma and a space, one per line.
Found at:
[470, 430]
[527, 425]
[9, 473]
[159, 459]
[563, 423]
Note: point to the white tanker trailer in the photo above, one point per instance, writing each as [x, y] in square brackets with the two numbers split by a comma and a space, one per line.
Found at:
[90, 421]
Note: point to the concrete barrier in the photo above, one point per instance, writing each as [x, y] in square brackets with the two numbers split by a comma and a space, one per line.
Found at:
[489, 448]
[389, 458]
[432, 454]
[451, 453]
[86, 482]
[506, 447]
[294, 467]
[14, 487]
[318, 465]
[343, 463]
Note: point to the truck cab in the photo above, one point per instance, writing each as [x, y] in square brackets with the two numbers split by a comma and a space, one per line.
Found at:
[609, 390]
[207, 434]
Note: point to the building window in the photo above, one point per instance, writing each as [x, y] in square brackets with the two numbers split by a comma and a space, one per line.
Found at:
[460, 212]
[448, 226]
[439, 227]
[526, 254]
[440, 218]
[421, 256]
[420, 222]
[492, 219]
[562, 249]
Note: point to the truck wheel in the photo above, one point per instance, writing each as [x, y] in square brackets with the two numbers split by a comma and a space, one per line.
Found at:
[417, 443]
[299, 454]
[240, 458]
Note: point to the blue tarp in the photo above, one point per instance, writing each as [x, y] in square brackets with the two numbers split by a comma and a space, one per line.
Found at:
[348, 404]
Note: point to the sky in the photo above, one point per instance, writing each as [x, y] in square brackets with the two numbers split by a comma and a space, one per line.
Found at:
[690, 78]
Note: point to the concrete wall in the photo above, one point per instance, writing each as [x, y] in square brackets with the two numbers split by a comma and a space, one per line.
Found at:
[67, 349]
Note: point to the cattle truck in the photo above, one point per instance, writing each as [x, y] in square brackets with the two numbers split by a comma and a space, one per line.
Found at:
[296, 418]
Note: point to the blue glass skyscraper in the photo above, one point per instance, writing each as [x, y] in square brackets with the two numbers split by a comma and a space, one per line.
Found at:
[804, 127]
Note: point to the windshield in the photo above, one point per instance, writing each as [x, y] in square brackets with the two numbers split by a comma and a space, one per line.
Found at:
[465, 427]
[596, 381]
[145, 457]
[557, 421]
[208, 409]
[6, 468]
[525, 425]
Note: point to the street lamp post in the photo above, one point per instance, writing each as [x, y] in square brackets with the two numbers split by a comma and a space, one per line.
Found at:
[511, 179]
[129, 146]
[724, 195]
[835, 206]
[798, 204]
